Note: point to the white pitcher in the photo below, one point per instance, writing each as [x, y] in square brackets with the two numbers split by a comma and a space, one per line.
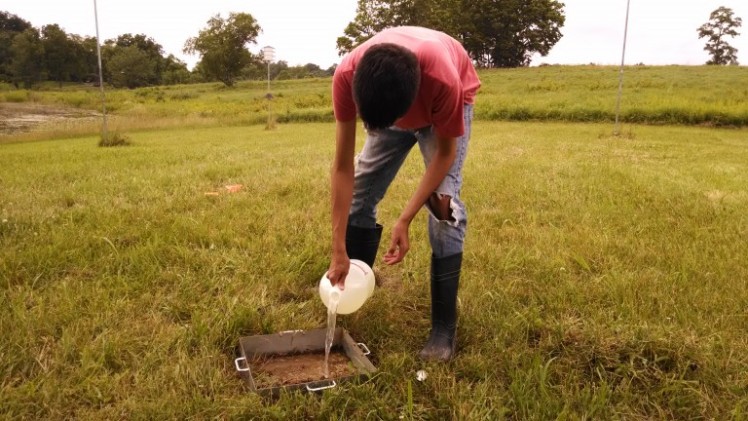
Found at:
[359, 286]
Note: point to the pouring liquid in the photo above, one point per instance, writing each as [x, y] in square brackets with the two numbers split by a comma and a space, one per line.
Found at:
[332, 315]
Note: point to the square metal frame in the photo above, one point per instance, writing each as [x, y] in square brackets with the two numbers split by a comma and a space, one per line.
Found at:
[301, 342]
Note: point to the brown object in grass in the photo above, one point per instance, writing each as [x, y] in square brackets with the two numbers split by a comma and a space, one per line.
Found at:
[282, 370]
[233, 188]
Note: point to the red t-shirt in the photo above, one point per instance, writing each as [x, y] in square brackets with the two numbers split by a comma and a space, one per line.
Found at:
[448, 80]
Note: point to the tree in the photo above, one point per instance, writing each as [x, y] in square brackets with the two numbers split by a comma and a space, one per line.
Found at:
[222, 46]
[174, 71]
[280, 70]
[258, 70]
[27, 58]
[496, 33]
[371, 17]
[506, 33]
[308, 70]
[84, 59]
[130, 67]
[123, 49]
[12, 23]
[58, 53]
[10, 26]
[722, 23]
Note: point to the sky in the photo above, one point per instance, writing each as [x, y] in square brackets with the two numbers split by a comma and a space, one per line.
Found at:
[660, 32]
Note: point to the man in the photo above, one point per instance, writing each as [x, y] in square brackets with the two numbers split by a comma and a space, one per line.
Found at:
[409, 85]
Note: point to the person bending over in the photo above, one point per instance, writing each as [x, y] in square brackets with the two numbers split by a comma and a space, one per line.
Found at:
[409, 85]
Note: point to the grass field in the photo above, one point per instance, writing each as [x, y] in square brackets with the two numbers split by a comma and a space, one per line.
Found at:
[604, 277]
[690, 95]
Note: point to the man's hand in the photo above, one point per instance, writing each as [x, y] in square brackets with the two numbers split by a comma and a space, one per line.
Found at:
[338, 269]
[446, 150]
[400, 243]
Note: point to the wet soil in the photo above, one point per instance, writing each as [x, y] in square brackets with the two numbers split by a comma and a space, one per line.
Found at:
[21, 117]
[283, 370]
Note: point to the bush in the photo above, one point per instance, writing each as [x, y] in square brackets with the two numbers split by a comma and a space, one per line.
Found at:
[114, 139]
[17, 96]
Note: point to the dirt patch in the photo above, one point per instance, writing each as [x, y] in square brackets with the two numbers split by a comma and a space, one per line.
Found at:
[283, 370]
[20, 117]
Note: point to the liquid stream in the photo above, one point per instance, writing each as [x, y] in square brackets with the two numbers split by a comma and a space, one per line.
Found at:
[332, 315]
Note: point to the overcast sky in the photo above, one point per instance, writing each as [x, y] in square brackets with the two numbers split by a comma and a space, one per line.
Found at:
[304, 31]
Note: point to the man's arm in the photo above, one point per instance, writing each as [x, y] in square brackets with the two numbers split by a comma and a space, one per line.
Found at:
[341, 179]
[446, 150]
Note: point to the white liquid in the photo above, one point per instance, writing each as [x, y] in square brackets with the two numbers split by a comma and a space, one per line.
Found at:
[332, 314]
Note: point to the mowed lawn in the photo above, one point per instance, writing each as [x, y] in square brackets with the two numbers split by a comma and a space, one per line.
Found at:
[604, 278]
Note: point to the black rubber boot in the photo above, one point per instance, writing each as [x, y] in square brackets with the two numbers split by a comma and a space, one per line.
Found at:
[362, 243]
[445, 277]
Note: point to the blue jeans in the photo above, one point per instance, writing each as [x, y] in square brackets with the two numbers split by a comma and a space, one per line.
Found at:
[376, 166]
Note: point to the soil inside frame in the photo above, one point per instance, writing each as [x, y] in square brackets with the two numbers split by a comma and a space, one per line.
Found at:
[290, 369]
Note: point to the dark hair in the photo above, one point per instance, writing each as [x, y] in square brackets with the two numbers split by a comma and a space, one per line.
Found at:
[385, 84]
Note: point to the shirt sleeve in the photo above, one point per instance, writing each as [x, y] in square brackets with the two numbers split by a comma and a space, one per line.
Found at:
[447, 113]
[342, 96]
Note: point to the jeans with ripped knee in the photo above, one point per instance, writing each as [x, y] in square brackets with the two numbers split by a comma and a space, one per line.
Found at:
[376, 166]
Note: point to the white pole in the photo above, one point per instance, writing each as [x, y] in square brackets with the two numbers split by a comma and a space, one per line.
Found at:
[616, 130]
[101, 75]
[268, 54]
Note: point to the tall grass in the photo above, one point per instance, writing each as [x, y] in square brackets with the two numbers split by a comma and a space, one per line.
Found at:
[709, 95]
[703, 95]
[604, 277]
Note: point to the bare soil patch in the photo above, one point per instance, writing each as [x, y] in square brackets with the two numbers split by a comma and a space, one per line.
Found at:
[291, 369]
[20, 117]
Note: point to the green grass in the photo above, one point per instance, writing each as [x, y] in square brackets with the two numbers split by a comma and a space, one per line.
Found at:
[604, 277]
[690, 95]
[708, 95]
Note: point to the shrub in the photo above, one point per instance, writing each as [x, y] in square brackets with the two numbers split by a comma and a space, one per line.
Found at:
[17, 96]
[114, 139]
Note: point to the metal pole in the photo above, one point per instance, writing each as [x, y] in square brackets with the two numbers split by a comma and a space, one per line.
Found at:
[616, 130]
[101, 75]
[268, 54]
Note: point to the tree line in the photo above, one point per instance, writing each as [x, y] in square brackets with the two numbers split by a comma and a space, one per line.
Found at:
[496, 33]
[30, 55]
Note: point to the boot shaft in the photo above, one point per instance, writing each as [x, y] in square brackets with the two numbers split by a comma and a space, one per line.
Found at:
[445, 279]
[363, 243]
